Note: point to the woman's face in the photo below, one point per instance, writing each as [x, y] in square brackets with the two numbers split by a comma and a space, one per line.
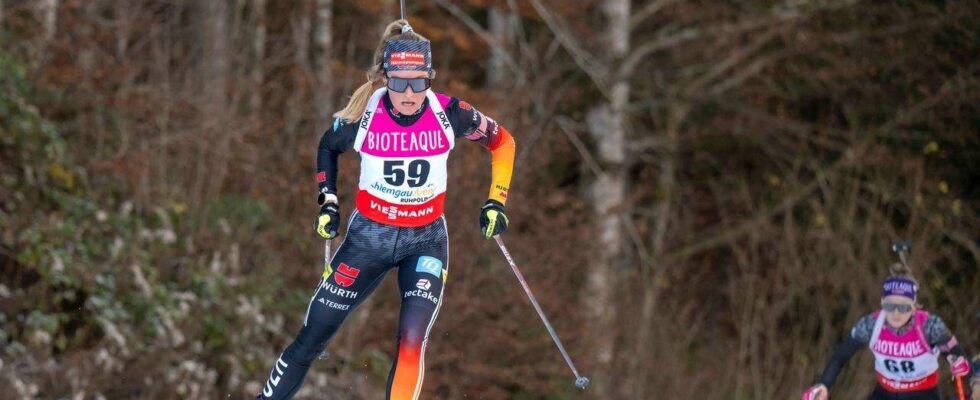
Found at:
[408, 102]
[896, 318]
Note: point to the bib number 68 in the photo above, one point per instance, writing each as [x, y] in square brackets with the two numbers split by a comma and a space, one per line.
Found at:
[895, 366]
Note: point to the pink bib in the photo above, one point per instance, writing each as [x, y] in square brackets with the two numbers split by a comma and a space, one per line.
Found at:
[403, 168]
[904, 362]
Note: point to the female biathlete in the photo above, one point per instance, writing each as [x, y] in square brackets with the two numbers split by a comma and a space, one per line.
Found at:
[906, 343]
[402, 132]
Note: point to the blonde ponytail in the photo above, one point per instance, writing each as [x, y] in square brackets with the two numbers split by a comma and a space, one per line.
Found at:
[358, 101]
[375, 75]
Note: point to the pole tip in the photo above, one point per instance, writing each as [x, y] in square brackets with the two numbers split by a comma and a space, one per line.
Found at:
[581, 382]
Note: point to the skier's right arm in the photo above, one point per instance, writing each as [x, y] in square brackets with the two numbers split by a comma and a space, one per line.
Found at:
[844, 352]
[334, 141]
[337, 139]
[860, 337]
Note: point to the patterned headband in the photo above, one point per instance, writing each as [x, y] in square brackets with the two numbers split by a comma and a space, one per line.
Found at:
[407, 55]
[899, 287]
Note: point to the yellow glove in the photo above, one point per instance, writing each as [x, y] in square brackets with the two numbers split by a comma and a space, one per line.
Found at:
[493, 221]
[328, 222]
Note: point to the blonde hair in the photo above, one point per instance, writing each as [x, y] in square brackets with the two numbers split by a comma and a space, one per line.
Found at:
[375, 75]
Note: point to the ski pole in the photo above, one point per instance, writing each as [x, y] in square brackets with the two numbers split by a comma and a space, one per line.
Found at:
[959, 387]
[403, 8]
[580, 381]
[326, 262]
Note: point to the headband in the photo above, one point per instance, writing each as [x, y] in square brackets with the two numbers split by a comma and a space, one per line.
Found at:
[407, 55]
[897, 286]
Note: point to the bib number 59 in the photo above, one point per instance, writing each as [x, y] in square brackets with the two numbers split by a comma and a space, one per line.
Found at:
[417, 172]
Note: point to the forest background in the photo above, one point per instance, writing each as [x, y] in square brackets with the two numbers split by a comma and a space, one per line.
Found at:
[704, 197]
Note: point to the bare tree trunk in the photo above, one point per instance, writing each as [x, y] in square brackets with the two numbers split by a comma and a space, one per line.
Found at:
[502, 29]
[47, 12]
[258, 55]
[606, 123]
[87, 62]
[215, 64]
[642, 350]
[323, 61]
[215, 58]
[295, 106]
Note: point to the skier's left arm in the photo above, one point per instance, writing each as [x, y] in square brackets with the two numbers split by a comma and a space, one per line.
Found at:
[940, 338]
[470, 123]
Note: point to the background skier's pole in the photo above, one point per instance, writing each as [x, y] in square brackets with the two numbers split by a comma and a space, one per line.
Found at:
[959, 387]
[902, 248]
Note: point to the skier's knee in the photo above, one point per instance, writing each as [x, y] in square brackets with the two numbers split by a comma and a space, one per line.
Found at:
[412, 336]
[309, 344]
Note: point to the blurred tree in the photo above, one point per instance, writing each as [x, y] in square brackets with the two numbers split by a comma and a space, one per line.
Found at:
[606, 121]
[215, 63]
[258, 54]
[323, 62]
[503, 25]
[47, 14]
[215, 58]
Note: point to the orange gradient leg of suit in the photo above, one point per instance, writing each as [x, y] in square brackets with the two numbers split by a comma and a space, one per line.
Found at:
[421, 293]
[406, 377]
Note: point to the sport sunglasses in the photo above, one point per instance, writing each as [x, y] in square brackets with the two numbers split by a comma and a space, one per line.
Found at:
[892, 307]
[401, 84]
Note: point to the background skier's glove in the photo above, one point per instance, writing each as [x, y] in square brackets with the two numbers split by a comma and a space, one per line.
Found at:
[959, 366]
[816, 392]
[493, 221]
[328, 222]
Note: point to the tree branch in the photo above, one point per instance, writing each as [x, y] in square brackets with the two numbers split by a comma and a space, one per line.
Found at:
[854, 154]
[686, 35]
[487, 38]
[596, 70]
[648, 11]
[566, 125]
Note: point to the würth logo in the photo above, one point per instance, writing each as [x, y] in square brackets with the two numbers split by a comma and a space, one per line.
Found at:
[345, 275]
